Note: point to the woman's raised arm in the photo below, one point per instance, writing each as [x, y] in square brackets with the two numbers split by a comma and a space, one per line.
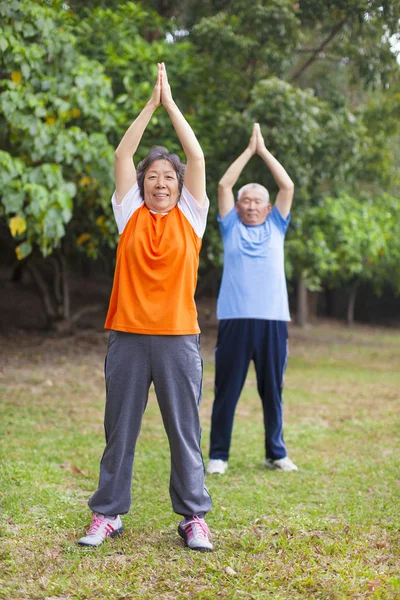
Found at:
[124, 168]
[195, 173]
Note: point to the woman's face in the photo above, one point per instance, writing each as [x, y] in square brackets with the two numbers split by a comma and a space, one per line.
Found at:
[161, 190]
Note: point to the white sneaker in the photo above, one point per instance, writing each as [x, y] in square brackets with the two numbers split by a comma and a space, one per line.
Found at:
[216, 465]
[195, 533]
[283, 464]
[101, 528]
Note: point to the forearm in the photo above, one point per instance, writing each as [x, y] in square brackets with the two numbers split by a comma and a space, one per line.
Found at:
[232, 174]
[130, 142]
[281, 177]
[185, 133]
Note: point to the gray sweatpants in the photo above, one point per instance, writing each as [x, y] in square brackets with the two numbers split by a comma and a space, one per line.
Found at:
[173, 363]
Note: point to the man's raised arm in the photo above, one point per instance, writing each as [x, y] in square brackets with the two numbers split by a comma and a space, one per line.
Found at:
[226, 200]
[284, 198]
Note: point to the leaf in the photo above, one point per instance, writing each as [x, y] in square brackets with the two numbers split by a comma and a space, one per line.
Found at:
[26, 71]
[23, 250]
[16, 76]
[17, 226]
[76, 469]
[84, 237]
[373, 584]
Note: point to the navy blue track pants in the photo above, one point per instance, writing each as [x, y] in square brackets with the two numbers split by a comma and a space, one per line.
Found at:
[240, 341]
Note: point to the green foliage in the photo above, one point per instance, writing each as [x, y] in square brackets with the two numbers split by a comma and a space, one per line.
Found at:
[344, 239]
[253, 39]
[55, 111]
[361, 32]
[40, 198]
[75, 75]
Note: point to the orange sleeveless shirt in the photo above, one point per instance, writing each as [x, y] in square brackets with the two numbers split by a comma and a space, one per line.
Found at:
[155, 275]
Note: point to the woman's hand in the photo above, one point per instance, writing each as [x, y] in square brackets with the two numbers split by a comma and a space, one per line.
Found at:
[253, 140]
[155, 99]
[166, 95]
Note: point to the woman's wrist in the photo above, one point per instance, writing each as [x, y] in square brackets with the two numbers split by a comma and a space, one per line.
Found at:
[170, 106]
[151, 106]
[263, 152]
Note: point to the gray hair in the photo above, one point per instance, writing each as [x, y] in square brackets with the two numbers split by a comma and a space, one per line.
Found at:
[160, 153]
[256, 186]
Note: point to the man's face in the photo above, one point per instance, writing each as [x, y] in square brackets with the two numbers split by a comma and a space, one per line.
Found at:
[252, 207]
[161, 187]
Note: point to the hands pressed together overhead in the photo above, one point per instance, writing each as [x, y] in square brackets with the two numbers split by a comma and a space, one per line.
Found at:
[162, 90]
[256, 143]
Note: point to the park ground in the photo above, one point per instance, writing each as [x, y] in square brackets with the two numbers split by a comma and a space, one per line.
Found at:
[329, 531]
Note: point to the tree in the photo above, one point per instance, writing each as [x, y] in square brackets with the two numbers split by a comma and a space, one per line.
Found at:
[66, 99]
[54, 116]
[57, 117]
[347, 241]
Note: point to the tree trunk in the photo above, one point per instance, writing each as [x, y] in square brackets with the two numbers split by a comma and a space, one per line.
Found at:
[329, 303]
[351, 304]
[302, 312]
[56, 297]
[65, 289]
[41, 285]
[57, 287]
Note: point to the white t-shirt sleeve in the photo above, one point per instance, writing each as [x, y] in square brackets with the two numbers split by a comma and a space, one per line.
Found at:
[195, 214]
[123, 211]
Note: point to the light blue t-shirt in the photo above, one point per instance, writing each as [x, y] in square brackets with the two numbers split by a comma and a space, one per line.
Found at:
[253, 280]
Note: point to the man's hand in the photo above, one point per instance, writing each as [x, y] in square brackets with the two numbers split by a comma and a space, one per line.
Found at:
[155, 99]
[260, 140]
[253, 141]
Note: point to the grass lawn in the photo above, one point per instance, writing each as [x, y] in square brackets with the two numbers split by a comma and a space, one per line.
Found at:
[329, 531]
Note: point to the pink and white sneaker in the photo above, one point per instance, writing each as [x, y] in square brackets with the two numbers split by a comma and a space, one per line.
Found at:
[195, 533]
[101, 528]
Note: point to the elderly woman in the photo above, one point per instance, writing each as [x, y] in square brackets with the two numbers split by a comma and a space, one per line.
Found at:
[161, 212]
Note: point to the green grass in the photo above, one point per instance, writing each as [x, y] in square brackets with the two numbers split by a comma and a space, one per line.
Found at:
[330, 531]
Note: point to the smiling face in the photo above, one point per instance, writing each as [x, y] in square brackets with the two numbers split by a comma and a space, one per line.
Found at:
[161, 188]
[252, 206]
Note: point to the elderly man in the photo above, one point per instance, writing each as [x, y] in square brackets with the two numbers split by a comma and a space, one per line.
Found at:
[252, 305]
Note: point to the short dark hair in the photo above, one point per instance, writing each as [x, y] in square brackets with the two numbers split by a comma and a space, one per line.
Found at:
[160, 153]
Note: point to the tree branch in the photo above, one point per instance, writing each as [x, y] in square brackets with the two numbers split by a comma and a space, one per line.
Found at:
[318, 50]
[66, 325]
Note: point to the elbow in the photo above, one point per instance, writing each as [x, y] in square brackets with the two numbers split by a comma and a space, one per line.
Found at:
[198, 159]
[117, 154]
[121, 154]
[223, 185]
[288, 187]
